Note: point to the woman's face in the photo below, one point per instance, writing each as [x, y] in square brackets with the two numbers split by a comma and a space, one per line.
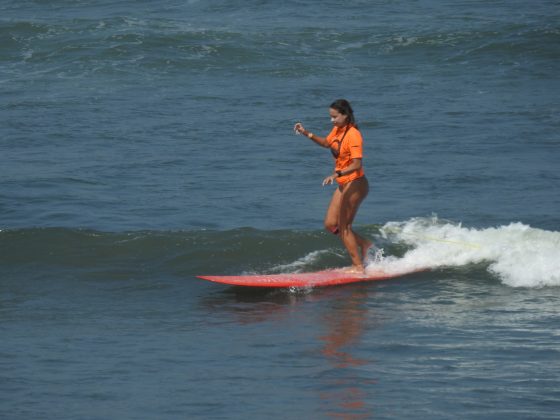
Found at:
[338, 119]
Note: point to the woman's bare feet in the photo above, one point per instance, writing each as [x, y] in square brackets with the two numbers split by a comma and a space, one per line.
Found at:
[355, 269]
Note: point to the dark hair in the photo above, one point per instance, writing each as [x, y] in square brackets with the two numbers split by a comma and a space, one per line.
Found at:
[344, 107]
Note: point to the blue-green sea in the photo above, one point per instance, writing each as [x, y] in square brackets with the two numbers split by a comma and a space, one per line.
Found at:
[143, 143]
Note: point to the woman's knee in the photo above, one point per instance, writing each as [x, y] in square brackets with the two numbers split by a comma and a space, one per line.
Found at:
[332, 227]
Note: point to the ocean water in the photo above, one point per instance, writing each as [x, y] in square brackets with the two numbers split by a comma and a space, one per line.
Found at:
[143, 143]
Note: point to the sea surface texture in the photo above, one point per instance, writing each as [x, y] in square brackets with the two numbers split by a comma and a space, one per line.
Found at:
[143, 143]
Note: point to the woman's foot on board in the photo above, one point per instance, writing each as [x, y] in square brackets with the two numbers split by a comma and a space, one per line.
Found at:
[355, 269]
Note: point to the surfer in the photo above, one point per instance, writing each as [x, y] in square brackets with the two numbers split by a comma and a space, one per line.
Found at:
[345, 143]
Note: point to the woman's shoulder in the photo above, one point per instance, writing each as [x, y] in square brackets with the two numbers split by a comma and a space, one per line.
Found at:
[354, 131]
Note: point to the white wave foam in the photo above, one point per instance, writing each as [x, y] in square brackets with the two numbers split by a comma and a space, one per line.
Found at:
[521, 256]
[301, 264]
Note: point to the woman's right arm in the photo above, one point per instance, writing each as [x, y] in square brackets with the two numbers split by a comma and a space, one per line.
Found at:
[321, 141]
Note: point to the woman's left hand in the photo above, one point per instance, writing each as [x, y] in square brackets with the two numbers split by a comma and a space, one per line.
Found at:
[330, 179]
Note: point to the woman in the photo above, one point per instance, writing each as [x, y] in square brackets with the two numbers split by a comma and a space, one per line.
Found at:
[345, 143]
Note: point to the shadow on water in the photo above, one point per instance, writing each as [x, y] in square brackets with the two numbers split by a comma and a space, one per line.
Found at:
[342, 314]
[347, 386]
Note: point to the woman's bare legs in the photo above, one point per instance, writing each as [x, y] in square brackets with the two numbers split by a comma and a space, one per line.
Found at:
[341, 212]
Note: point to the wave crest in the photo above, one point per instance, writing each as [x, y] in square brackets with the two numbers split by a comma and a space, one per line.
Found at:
[521, 256]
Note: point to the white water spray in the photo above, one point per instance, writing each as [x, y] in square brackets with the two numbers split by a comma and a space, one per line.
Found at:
[521, 256]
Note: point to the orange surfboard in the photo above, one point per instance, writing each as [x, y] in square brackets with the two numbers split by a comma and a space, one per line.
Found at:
[316, 279]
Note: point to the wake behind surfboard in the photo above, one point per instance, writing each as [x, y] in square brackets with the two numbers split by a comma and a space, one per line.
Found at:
[315, 279]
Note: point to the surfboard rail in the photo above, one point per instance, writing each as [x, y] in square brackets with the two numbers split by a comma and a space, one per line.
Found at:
[309, 279]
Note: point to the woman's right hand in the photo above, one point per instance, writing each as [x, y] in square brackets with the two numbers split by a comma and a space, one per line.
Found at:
[298, 128]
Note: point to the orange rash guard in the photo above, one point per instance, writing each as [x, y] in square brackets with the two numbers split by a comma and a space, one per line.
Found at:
[350, 148]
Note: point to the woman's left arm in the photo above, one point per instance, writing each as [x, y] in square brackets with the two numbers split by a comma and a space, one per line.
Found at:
[355, 165]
